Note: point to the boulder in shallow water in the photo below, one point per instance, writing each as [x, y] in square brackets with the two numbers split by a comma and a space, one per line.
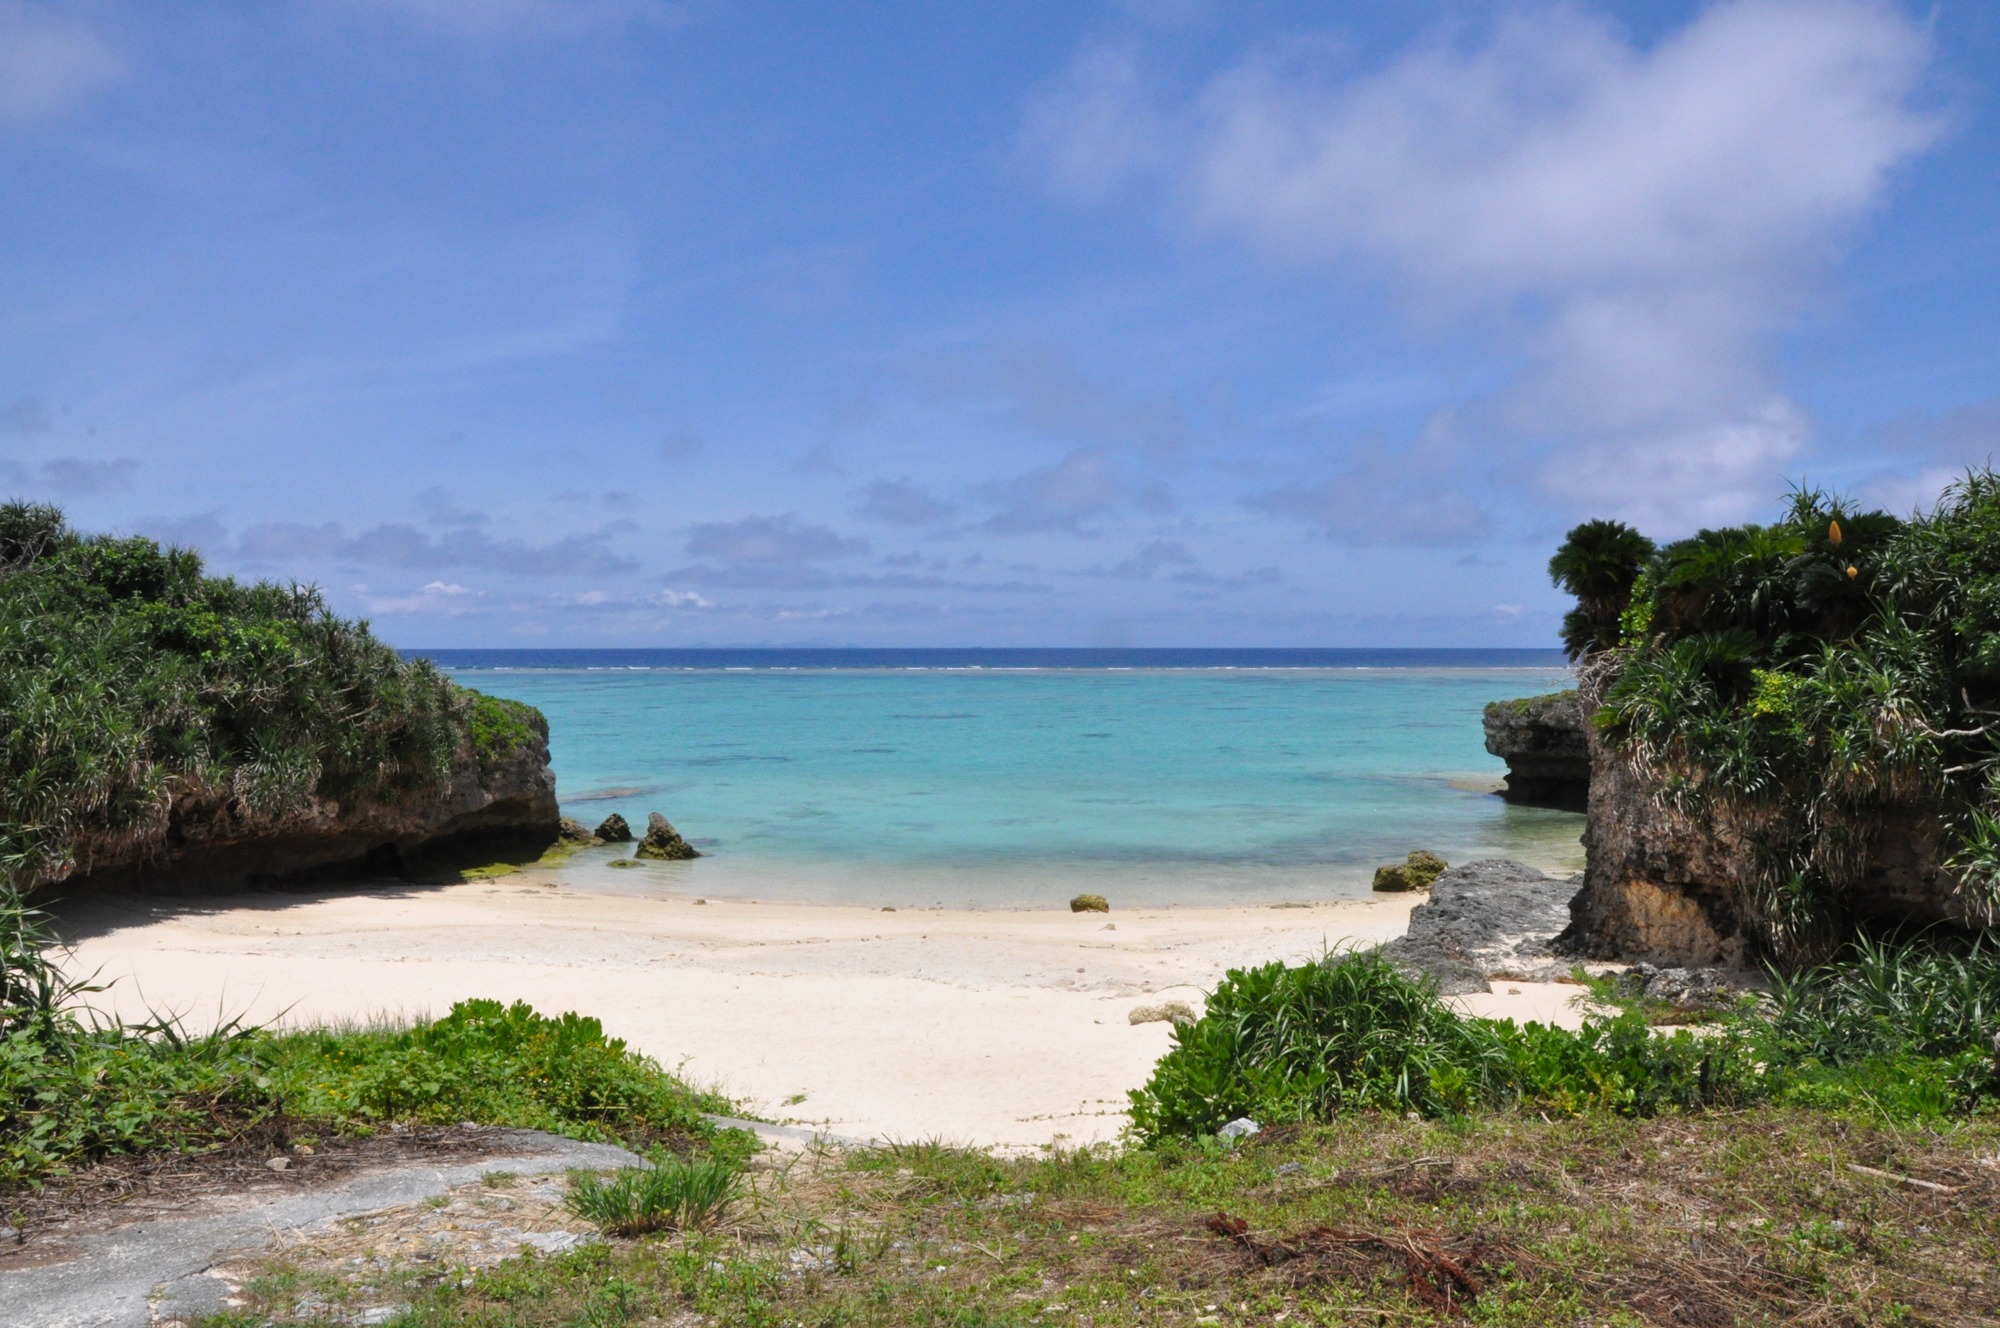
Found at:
[613, 830]
[1089, 904]
[572, 831]
[663, 842]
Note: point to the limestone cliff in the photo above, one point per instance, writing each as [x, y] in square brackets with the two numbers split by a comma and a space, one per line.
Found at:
[1677, 890]
[1542, 740]
[498, 801]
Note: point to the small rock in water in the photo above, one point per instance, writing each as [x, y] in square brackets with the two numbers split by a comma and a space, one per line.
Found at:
[1089, 904]
[663, 842]
[888, 908]
[572, 831]
[613, 830]
[1240, 1128]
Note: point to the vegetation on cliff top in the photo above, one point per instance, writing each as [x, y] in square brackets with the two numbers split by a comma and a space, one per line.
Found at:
[132, 684]
[1804, 682]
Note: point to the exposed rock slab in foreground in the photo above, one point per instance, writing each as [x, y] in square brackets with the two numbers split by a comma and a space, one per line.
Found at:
[1484, 919]
[112, 1277]
[1546, 747]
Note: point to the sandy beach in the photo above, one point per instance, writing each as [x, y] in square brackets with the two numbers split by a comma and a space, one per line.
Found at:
[1004, 1028]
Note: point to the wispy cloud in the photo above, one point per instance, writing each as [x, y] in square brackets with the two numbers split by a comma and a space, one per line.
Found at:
[902, 502]
[1635, 226]
[69, 477]
[771, 540]
[518, 20]
[50, 61]
[285, 543]
[1086, 483]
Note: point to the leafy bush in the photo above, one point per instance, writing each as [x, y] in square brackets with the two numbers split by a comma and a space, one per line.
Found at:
[132, 684]
[1306, 1042]
[1908, 1030]
[1799, 685]
[484, 1061]
[1351, 1032]
[669, 1194]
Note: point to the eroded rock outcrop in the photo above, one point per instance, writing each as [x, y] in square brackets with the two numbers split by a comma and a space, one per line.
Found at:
[1676, 890]
[495, 804]
[1485, 919]
[1542, 740]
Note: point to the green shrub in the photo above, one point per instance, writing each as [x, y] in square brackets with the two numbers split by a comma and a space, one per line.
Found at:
[669, 1194]
[1801, 684]
[131, 683]
[1307, 1042]
[484, 1061]
[1904, 1030]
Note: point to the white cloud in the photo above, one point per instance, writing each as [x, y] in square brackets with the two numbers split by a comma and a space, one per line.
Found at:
[1634, 227]
[49, 62]
[448, 599]
[679, 599]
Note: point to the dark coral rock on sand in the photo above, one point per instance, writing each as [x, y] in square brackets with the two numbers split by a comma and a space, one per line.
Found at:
[664, 842]
[614, 830]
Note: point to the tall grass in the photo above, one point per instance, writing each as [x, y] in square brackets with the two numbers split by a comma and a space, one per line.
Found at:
[668, 1194]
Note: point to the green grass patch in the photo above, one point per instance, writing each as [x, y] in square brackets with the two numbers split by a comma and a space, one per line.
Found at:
[668, 1194]
[1754, 1217]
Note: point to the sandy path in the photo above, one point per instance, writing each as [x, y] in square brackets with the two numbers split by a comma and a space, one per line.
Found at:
[992, 1027]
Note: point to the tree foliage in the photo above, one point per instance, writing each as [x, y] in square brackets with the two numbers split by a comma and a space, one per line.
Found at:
[1598, 563]
[1805, 682]
[131, 684]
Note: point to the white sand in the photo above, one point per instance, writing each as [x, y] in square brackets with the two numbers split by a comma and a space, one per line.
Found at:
[1002, 1028]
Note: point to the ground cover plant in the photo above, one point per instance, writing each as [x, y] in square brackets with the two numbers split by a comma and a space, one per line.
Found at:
[1909, 1030]
[1767, 1216]
[132, 684]
[75, 1090]
[1801, 685]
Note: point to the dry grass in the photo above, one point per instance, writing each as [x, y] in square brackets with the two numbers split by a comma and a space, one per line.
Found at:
[1758, 1218]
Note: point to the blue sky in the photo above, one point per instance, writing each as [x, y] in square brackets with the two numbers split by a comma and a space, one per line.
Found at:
[621, 322]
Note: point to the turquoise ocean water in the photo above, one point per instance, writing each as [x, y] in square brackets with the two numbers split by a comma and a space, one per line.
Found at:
[1009, 777]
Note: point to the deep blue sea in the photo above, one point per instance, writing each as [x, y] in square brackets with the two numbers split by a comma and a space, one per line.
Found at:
[1000, 777]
